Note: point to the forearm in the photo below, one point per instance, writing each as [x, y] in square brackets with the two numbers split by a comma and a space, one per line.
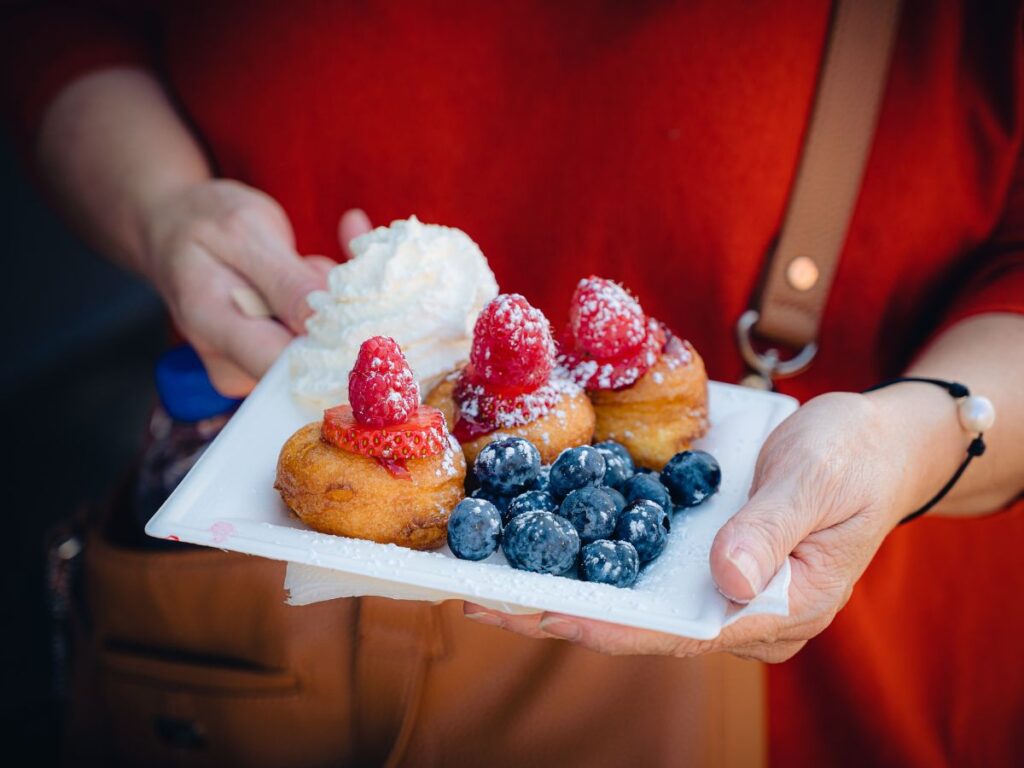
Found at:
[986, 353]
[111, 147]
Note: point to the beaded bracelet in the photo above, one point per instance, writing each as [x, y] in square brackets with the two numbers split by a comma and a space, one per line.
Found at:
[976, 414]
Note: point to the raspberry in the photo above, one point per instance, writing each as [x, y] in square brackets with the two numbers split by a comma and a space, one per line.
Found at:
[614, 372]
[381, 387]
[513, 351]
[422, 434]
[605, 320]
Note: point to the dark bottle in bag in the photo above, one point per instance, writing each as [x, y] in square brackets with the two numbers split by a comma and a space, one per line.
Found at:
[190, 414]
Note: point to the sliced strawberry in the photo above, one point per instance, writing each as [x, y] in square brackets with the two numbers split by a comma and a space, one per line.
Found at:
[422, 434]
[617, 372]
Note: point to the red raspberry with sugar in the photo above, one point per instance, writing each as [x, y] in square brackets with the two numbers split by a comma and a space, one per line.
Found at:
[605, 319]
[512, 351]
[381, 387]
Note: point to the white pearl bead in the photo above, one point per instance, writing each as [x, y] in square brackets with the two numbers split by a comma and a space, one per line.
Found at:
[977, 414]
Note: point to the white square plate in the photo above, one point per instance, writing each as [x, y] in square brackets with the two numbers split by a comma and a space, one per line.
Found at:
[228, 501]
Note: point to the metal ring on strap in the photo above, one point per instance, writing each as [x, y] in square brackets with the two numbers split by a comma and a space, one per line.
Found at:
[768, 363]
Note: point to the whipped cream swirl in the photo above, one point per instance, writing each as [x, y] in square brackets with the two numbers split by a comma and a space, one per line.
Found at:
[421, 284]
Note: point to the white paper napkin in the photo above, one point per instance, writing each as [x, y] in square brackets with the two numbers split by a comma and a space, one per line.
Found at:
[307, 584]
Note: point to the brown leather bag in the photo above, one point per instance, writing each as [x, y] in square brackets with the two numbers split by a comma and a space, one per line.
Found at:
[190, 657]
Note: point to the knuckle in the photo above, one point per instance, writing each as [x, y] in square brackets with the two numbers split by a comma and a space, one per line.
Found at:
[203, 231]
[239, 220]
[776, 525]
[824, 557]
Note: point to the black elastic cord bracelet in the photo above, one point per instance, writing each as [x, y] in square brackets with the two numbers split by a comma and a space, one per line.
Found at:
[976, 422]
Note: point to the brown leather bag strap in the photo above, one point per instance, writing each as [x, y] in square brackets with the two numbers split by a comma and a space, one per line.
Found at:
[842, 125]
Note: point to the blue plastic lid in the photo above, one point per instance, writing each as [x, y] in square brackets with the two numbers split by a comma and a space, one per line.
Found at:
[185, 389]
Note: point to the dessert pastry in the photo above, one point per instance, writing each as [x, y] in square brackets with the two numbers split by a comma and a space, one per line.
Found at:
[509, 387]
[648, 387]
[421, 284]
[383, 468]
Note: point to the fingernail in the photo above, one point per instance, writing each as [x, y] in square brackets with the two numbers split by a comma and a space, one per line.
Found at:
[749, 569]
[566, 630]
[250, 303]
[485, 618]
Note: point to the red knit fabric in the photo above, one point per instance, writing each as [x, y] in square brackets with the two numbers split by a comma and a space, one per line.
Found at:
[656, 143]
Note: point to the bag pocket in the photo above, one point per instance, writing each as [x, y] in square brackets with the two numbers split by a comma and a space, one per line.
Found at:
[192, 657]
[167, 711]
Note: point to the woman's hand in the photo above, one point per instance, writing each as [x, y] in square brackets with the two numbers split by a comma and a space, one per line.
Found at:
[124, 166]
[204, 245]
[830, 483]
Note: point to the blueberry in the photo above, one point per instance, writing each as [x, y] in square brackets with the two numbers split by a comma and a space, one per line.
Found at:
[618, 449]
[618, 498]
[575, 468]
[691, 477]
[474, 529]
[541, 542]
[616, 471]
[543, 478]
[647, 486]
[645, 525]
[592, 511]
[507, 466]
[610, 562]
[501, 501]
[531, 501]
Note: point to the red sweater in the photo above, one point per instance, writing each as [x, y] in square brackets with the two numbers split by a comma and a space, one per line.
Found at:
[656, 143]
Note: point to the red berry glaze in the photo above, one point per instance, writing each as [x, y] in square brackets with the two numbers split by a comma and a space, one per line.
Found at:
[482, 411]
[423, 434]
[381, 386]
[512, 351]
[605, 319]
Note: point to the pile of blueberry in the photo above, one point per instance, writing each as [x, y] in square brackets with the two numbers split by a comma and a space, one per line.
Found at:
[591, 510]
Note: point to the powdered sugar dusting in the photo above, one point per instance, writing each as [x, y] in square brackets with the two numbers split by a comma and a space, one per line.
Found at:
[677, 353]
[604, 318]
[381, 386]
[447, 468]
[617, 373]
[477, 404]
[512, 344]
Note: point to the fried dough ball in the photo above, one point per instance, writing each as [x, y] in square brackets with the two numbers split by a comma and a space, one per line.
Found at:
[343, 493]
[568, 424]
[664, 411]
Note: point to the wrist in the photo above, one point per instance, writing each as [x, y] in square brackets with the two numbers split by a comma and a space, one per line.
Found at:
[159, 214]
[922, 427]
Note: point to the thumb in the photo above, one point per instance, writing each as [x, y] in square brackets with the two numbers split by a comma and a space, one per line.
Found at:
[753, 545]
[354, 222]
